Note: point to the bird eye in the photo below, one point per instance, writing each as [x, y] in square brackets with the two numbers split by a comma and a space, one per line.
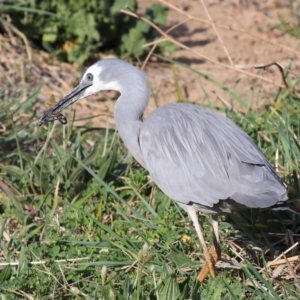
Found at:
[89, 77]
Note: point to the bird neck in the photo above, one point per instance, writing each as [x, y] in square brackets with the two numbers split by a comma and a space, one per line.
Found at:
[128, 114]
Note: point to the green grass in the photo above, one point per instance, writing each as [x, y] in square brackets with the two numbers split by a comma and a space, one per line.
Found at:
[85, 222]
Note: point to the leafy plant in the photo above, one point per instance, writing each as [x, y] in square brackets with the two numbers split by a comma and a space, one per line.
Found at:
[77, 30]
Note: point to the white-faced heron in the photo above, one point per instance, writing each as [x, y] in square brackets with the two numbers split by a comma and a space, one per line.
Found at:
[199, 158]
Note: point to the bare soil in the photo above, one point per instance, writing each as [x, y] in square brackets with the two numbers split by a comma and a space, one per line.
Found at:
[245, 49]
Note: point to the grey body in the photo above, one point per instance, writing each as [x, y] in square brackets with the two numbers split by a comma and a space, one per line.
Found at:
[200, 159]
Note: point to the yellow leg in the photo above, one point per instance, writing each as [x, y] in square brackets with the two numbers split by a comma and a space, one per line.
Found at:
[214, 253]
[211, 258]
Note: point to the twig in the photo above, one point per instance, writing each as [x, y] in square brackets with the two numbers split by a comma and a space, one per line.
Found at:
[284, 260]
[217, 33]
[161, 39]
[281, 68]
[271, 263]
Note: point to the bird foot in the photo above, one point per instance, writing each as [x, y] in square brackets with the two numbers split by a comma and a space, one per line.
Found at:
[211, 258]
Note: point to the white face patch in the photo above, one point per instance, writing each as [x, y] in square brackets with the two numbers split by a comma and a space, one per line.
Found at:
[98, 84]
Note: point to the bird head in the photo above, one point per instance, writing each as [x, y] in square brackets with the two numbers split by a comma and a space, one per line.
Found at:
[103, 75]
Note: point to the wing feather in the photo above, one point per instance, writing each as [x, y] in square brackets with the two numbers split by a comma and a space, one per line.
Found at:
[196, 155]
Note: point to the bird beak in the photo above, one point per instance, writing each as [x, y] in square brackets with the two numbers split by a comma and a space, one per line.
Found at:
[53, 113]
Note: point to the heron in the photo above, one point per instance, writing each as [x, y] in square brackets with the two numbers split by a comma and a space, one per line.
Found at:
[196, 156]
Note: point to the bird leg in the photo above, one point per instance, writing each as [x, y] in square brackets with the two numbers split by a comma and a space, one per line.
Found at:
[214, 251]
[210, 258]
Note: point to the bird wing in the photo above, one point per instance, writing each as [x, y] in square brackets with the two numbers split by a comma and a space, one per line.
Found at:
[195, 155]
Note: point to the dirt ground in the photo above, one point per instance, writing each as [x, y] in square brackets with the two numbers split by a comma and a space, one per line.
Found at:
[258, 17]
[253, 37]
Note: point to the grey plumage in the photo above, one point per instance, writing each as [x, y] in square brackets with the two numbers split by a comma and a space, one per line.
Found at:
[199, 158]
